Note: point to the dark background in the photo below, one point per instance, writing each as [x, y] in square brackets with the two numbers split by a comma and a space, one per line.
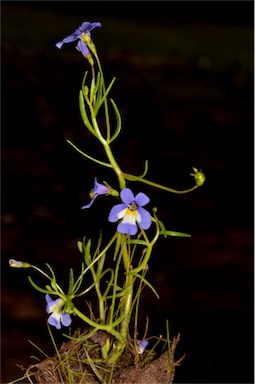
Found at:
[185, 91]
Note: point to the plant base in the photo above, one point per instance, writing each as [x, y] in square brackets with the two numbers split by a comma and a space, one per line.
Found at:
[78, 362]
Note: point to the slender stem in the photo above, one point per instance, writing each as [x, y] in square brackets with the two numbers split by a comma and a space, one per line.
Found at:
[105, 101]
[97, 258]
[99, 295]
[127, 306]
[105, 143]
[115, 166]
[114, 289]
[48, 277]
[147, 253]
[129, 177]
[103, 327]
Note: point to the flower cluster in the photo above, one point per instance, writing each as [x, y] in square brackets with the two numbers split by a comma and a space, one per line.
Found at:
[83, 32]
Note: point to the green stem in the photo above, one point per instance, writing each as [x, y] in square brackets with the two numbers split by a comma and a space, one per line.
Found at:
[99, 295]
[112, 308]
[105, 101]
[127, 306]
[115, 166]
[108, 328]
[97, 258]
[147, 253]
[129, 177]
[105, 143]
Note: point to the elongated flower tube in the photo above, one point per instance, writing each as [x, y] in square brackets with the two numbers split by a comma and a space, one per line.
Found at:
[84, 28]
[57, 317]
[99, 189]
[131, 212]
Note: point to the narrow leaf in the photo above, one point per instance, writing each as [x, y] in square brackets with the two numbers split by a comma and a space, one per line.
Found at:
[147, 283]
[84, 114]
[175, 234]
[88, 156]
[118, 118]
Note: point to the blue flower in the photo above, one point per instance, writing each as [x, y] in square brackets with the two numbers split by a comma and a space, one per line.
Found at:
[99, 189]
[85, 28]
[141, 345]
[57, 315]
[131, 212]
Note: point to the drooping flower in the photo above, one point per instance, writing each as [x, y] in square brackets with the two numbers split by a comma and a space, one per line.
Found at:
[84, 28]
[141, 345]
[57, 317]
[131, 212]
[99, 189]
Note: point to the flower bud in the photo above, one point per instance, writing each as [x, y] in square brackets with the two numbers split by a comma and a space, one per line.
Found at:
[18, 264]
[199, 177]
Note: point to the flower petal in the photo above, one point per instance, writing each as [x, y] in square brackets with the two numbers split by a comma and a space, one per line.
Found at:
[113, 215]
[127, 229]
[59, 44]
[82, 47]
[86, 27]
[130, 217]
[66, 319]
[100, 189]
[141, 199]
[70, 38]
[145, 218]
[89, 205]
[55, 322]
[127, 196]
[50, 303]
[142, 344]
[48, 299]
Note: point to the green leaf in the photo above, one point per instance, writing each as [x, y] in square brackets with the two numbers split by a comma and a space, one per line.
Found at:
[145, 168]
[80, 246]
[88, 156]
[175, 234]
[138, 242]
[71, 281]
[87, 255]
[37, 287]
[147, 283]
[118, 118]
[100, 102]
[166, 233]
[84, 114]
[95, 92]
[52, 272]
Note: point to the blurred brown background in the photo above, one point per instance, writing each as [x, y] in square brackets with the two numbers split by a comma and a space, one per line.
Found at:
[185, 91]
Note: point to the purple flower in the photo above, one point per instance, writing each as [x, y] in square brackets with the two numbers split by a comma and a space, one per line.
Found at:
[57, 315]
[99, 189]
[131, 212]
[86, 28]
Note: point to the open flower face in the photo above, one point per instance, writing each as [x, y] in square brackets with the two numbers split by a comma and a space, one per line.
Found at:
[85, 28]
[57, 316]
[99, 189]
[131, 212]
